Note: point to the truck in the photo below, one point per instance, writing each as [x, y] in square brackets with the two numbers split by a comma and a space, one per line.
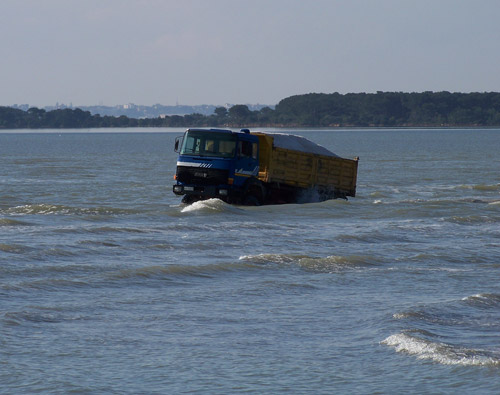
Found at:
[257, 168]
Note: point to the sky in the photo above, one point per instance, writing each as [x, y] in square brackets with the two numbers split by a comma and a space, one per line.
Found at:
[110, 52]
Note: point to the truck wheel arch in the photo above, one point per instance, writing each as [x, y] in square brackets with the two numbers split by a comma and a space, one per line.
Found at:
[254, 193]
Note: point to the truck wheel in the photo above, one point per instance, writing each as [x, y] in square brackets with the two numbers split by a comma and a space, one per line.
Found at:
[189, 199]
[251, 200]
[254, 193]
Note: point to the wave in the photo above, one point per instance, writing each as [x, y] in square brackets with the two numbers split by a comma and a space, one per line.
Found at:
[92, 276]
[173, 271]
[468, 312]
[13, 248]
[436, 201]
[13, 222]
[40, 276]
[98, 243]
[329, 264]
[40, 315]
[51, 209]
[481, 187]
[483, 300]
[373, 238]
[114, 229]
[46, 284]
[379, 194]
[18, 317]
[210, 206]
[466, 329]
[472, 219]
[215, 205]
[442, 353]
[430, 317]
[272, 258]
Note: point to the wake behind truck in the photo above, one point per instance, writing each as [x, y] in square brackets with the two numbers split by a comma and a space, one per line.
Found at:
[259, 168]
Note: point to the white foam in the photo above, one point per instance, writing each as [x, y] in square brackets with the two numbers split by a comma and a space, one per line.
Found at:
[438, 352]
[209, 204]
[476, 296]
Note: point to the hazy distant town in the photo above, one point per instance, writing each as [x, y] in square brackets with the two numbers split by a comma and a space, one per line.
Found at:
[131, 110]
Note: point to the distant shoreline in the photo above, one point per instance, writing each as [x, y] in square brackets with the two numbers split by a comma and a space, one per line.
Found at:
[353, 110]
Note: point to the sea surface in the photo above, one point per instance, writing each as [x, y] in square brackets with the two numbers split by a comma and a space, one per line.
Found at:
[108, 284]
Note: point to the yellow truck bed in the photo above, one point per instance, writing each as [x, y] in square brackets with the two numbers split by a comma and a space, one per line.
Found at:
[324, 170]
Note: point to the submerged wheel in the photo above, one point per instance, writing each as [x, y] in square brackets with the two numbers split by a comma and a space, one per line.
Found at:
[189, 199]
[251, 200]
[254, 193]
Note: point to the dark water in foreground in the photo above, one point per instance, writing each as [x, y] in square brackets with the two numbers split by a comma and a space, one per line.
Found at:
[108, 284]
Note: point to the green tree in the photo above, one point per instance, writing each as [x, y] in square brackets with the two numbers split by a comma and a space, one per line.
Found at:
[221, 112]
[239, 114]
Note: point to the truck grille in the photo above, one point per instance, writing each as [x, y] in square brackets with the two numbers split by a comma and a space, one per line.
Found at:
[201, 176]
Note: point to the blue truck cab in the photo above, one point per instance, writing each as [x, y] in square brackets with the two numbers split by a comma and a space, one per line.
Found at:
[218, 163]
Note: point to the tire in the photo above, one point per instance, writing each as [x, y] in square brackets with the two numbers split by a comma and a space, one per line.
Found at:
[251, 200]
[189, 199]
[254, 193]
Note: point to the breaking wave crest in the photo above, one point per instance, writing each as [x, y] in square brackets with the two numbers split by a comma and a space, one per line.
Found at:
[442, 353]
[483, 300]
[210, 206]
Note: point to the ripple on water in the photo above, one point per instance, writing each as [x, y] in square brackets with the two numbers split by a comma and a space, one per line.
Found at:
[53, 209]
[13, 222]
[14, 248]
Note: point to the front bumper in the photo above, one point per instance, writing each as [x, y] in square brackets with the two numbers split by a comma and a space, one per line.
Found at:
[205, 191]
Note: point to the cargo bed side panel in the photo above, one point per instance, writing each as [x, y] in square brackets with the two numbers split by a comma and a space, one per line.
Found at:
[305, 170]
[338, 173]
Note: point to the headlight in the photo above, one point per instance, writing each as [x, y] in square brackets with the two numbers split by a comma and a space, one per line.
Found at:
[178, 188]
[223, 192]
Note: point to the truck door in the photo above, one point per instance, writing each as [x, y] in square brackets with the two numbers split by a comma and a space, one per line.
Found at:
[247, 161]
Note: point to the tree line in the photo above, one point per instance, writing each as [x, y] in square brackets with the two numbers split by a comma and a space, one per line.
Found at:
[381, 109]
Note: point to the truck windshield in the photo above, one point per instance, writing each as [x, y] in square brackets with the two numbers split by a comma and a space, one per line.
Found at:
[209, 144]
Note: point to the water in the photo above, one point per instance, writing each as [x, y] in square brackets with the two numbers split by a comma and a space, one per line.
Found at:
[109, 284]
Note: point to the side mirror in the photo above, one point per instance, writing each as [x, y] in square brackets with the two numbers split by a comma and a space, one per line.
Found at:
[177, 143]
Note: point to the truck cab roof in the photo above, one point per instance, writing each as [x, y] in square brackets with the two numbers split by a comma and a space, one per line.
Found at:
[215, 130]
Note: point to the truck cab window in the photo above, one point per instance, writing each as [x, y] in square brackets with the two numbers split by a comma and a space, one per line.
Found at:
[227, 148]
[191, 145]
[246, 149]
[208, 144]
